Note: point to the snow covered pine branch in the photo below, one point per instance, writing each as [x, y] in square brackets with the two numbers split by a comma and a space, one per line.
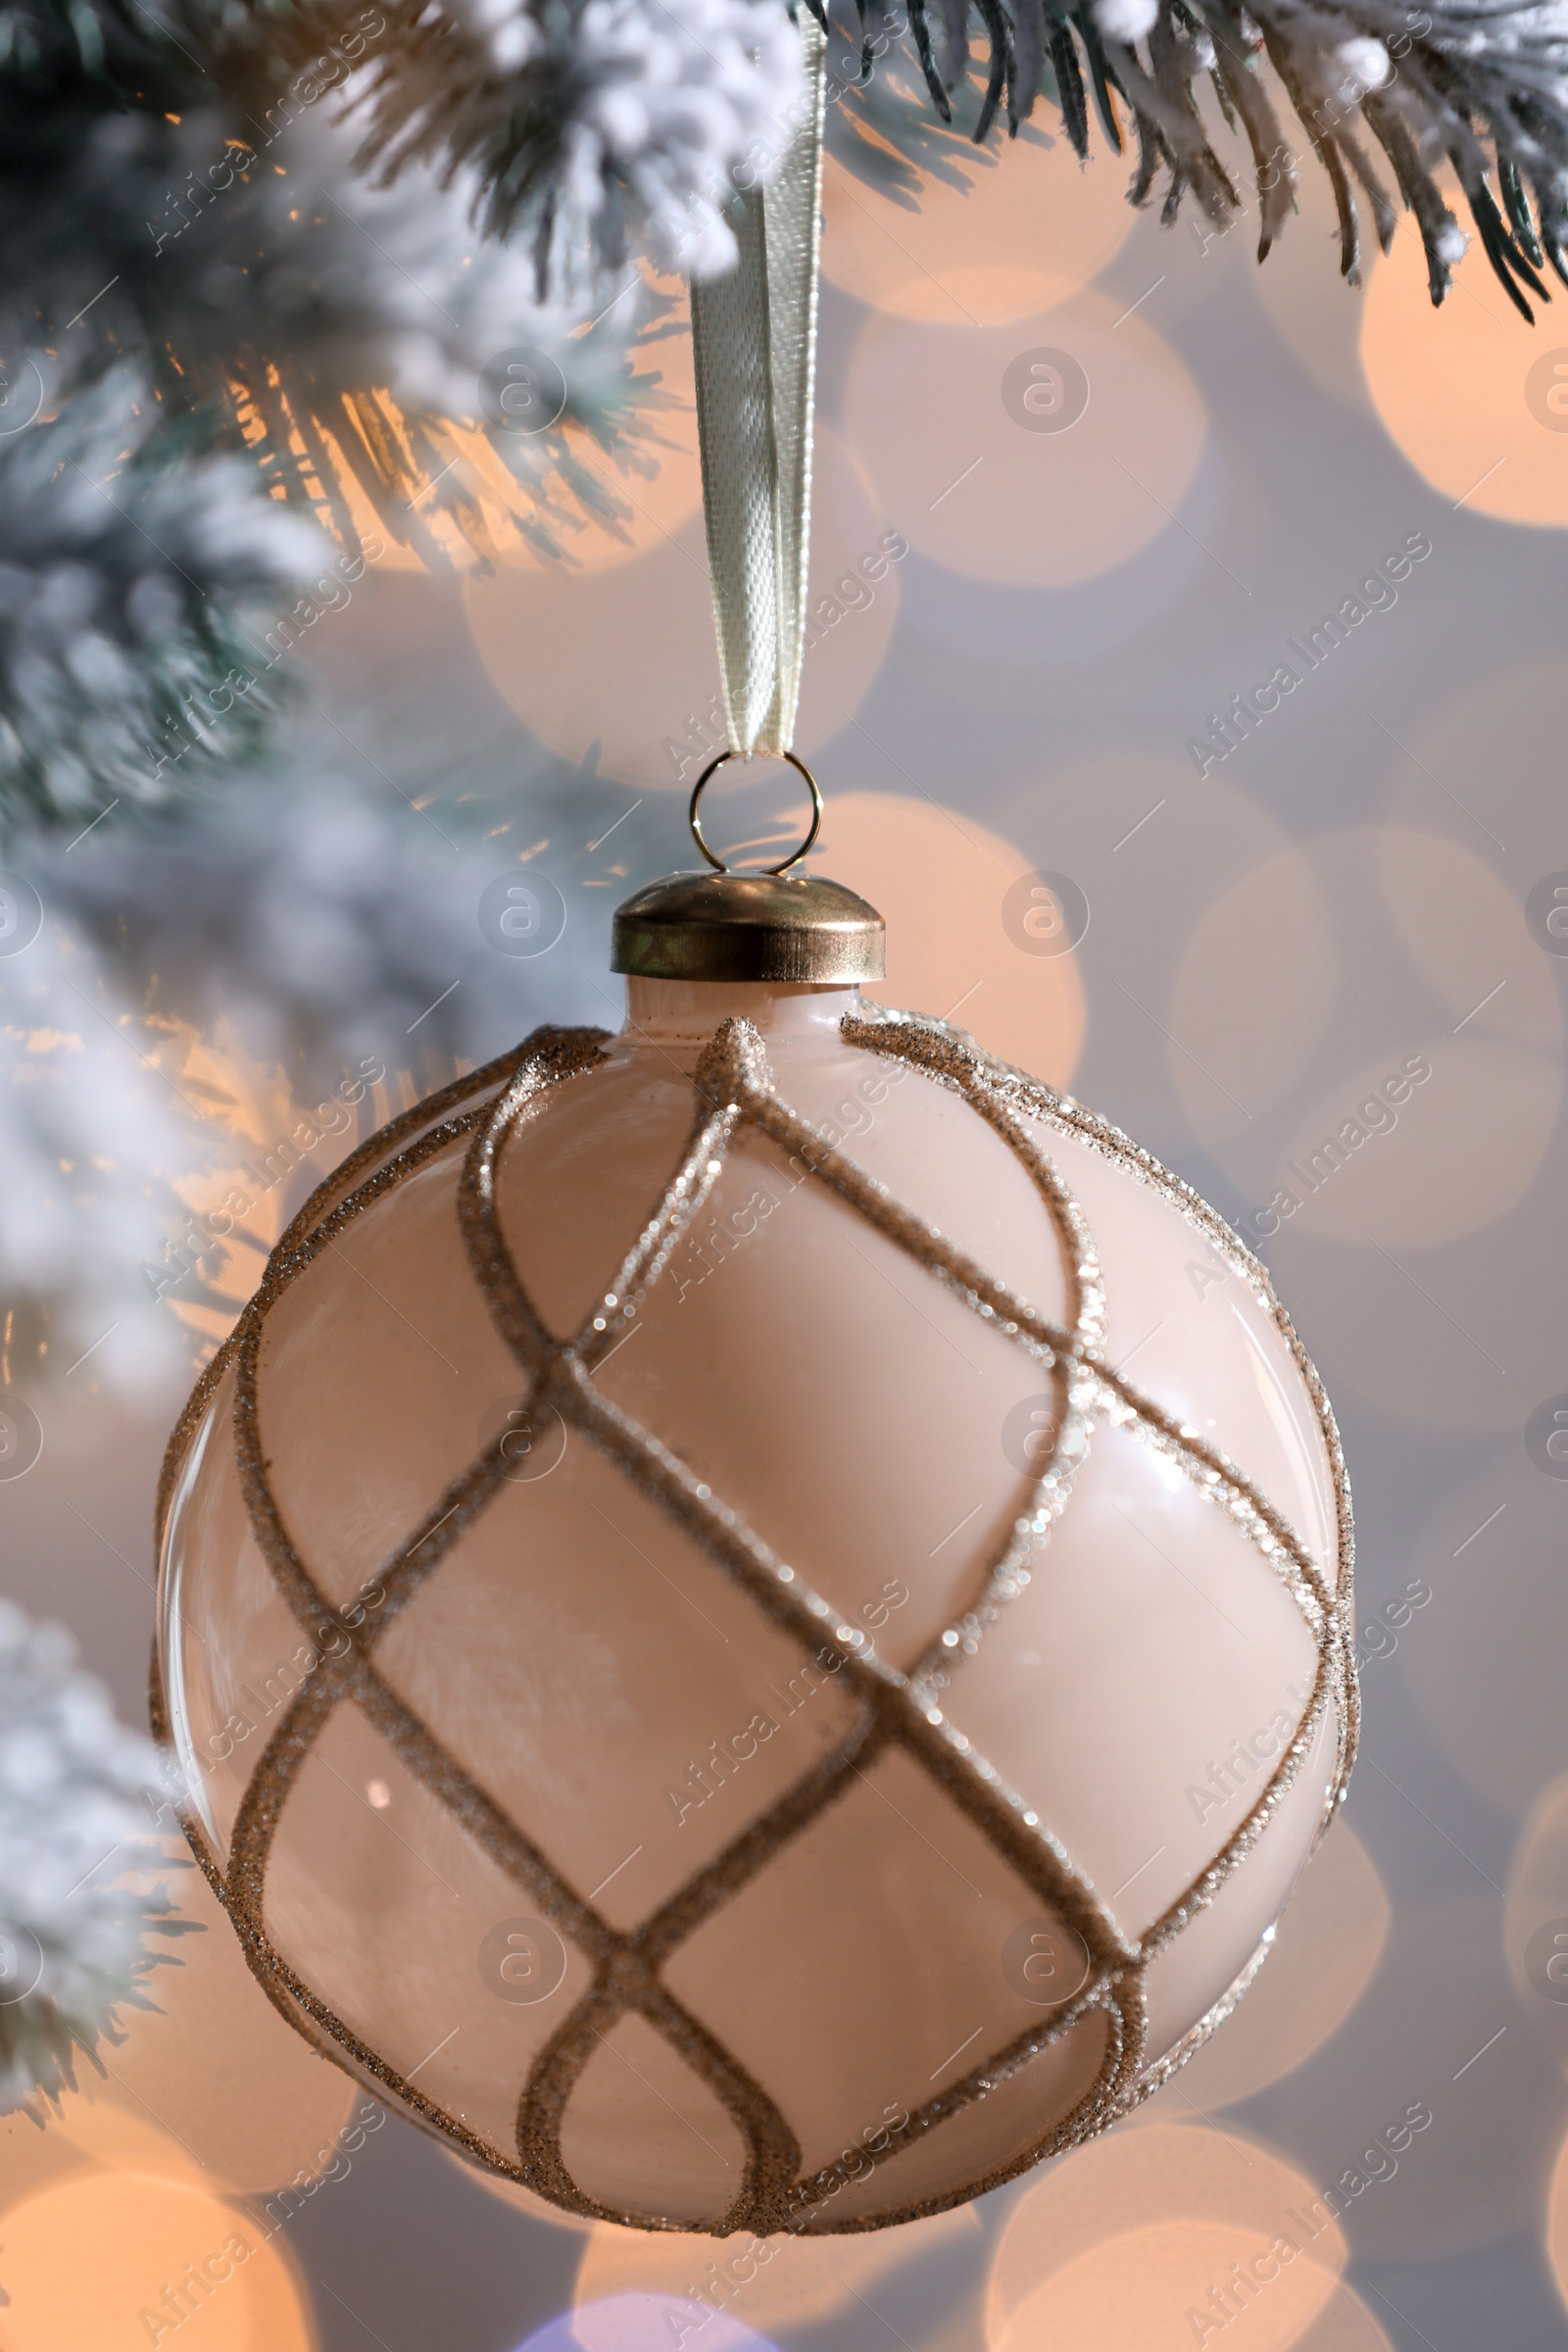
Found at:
[179, 203]
[79, 1798]
[596, 126]
[1483, 90]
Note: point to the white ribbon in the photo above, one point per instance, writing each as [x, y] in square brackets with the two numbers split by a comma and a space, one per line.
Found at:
[753, 339]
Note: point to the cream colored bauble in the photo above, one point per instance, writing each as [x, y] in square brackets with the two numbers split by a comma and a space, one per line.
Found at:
[756, 1611]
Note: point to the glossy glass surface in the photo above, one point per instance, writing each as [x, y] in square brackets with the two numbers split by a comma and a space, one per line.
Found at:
[610, 1687]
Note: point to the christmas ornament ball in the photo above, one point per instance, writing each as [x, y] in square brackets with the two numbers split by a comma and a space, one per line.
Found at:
[756, 1614]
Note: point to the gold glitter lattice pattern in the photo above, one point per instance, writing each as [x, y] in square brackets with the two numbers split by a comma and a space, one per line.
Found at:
[896, 1710]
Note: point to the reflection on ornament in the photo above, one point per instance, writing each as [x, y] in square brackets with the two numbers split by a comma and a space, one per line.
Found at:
[848, 1888]
[1036, 496]
[1045, 222]
[1328, 1944]
[1475, 399]
[115, 2258]
[1140, 2183]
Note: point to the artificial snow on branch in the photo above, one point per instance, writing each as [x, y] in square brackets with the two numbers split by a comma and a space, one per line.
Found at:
[174, 193]
[596, 128]
[96, 1134]
[79, 1797]
[131, 594]
[1381, 92]
[338, 914]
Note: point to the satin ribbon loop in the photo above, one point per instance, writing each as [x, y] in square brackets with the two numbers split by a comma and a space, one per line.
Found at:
[754, 340]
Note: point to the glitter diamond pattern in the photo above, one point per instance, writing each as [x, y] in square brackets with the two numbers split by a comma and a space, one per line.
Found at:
[732, 1093]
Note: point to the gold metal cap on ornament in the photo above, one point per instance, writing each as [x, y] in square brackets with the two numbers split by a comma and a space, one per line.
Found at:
[749, 927]
[774, 926]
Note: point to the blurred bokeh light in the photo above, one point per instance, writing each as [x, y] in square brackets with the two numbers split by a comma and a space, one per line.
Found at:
[1473, 398]
[118, 2259]
[981, 240]
[646, 707]
[216, 2069]
[1044, 451]
[914, 857]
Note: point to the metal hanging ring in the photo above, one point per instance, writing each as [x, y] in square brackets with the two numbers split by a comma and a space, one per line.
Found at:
[796, 855]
